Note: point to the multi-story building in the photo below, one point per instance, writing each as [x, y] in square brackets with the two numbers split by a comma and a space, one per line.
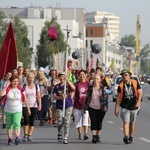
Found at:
[110, 55]
[109, 19]
[35, 17]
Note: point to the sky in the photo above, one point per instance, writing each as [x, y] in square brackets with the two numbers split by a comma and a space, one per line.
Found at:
[127, 10]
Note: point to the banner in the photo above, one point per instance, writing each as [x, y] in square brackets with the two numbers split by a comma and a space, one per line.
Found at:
[8, 53]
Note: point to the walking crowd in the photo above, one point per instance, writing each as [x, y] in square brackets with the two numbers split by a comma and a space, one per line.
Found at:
[57, 97]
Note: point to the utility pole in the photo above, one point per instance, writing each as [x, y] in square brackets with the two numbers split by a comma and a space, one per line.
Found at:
[68, 32]
[138, 30]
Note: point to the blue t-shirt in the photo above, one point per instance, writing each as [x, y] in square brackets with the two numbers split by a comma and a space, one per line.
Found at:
[59, 90]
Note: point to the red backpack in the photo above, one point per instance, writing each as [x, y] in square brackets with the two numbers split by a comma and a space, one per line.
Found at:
[8, 89]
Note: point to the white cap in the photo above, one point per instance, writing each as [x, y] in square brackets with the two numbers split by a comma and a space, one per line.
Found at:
[41, 69]
[61, 73]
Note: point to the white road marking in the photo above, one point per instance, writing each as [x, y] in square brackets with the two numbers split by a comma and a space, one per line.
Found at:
[121, 128]
[144, 139]
[110, 122]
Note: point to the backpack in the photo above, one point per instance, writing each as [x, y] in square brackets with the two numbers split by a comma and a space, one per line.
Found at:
[36, 87]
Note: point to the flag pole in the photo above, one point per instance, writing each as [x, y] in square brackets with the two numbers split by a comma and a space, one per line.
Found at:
[66, 71]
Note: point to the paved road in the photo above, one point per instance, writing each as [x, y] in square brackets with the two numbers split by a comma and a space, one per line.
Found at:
[45, 137]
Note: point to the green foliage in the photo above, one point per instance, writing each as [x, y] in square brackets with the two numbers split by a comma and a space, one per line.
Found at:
[44, 48]
[3, 27]
[145, 59]
[23, 43]
[128, 41]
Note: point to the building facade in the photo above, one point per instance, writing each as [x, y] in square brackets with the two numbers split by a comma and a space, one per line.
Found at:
[35, 17]
[109, 19]
[110, 55]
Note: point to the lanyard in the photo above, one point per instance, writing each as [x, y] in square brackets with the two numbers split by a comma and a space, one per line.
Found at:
[14, 93]
[128, 90]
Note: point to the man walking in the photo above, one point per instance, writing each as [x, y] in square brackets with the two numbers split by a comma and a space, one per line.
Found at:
[129, 98]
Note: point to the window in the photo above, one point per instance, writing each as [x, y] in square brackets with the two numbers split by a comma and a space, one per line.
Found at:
[91, 43]
[86, 43]
[86, 33]
[91, 32]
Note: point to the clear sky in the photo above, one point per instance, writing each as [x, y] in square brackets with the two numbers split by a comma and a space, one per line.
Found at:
[127, 10]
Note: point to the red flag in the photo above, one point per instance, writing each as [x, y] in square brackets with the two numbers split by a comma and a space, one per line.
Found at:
[8, 53]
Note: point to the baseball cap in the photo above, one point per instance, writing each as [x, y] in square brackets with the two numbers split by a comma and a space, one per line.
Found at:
[41, 69]
[61, 73]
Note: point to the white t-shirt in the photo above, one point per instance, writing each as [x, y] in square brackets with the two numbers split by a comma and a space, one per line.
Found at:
[42, 87]
[13, 101]
[31, 96]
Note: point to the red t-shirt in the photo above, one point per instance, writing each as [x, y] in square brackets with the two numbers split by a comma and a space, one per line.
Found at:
[80, 94]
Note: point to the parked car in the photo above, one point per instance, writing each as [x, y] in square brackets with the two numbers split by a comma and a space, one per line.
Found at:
[117, 80]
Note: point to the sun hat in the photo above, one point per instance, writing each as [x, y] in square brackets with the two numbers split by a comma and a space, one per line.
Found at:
[125, 71]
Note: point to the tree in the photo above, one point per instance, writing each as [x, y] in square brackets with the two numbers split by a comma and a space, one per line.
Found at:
[144, 55]
[23, 43]
[128, 41]
[3, 27]
[44, 48]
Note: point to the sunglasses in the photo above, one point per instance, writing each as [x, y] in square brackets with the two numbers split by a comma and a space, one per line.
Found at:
[125, 75]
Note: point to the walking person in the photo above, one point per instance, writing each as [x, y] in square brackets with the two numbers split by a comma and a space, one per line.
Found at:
[129, 98]
[81, 118]
[32, 92]
[58, 94]
[97, 104]
[13, 99]
[53, 80]
[4, 83]
[43, 83]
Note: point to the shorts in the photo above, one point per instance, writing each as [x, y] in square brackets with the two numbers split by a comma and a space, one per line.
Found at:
[81, 119]
[53, 105]
[129, 115]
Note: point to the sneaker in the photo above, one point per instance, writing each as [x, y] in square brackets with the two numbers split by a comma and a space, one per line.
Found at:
[25, 138]
[80, 137]
[54, 122]
[126, 140]
[50, 121]
[98, 138]
[17, 140]
[55, 125]
[59, 137]
[42, 122]
[65, 141]
[86, 136]
[131, 139]
[4, 126]
[29, 138]
[9, 141]
[94, 140]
